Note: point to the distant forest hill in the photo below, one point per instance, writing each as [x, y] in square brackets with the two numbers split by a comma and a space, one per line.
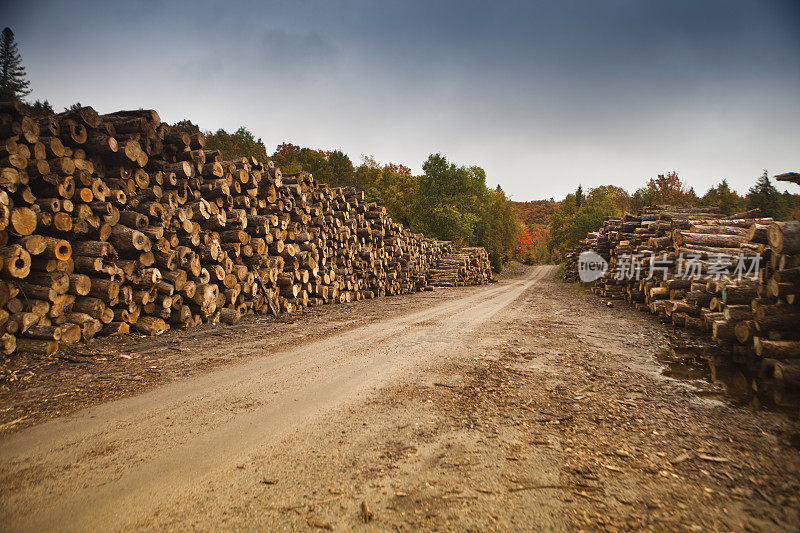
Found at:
[535, 236]
[537, 211]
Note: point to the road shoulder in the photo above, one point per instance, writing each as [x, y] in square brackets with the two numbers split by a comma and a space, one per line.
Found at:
[556, 418]
[34, 388]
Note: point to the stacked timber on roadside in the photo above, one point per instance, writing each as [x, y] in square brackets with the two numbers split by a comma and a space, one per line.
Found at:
[570, 273]
[466, 266]
[631, 242]
[774, 324]
[118, 222]
[598, 242]
[734, 279]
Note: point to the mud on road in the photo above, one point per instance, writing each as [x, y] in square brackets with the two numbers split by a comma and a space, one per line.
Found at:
[522, 405]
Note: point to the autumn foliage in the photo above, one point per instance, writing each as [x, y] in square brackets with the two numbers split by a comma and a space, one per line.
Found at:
[537, 211]
[525, 241]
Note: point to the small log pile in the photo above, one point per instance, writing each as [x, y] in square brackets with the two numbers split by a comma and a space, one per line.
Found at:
[734, 279]
[570, 272]
[597, 242]
[118, 222]
[467, 266]
[792, 177]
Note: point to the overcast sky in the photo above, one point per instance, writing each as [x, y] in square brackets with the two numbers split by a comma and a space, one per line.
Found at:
[544, 95]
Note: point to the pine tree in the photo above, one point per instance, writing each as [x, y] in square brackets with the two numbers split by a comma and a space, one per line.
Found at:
[766, 197]
[13, 85]
[42, 108]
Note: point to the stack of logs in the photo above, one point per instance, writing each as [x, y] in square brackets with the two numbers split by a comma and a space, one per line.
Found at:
[467, 266]
[735, 279]
[774, 322]
[119, 222]
[597, 242]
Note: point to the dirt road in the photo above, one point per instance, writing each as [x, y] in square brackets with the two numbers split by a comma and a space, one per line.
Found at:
[519, 405]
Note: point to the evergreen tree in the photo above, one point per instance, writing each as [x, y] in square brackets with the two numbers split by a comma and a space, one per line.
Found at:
[40, 107]
[579, 196]
[13, 85]
[766, 197]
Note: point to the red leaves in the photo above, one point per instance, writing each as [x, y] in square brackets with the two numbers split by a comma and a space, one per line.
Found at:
[525, 242]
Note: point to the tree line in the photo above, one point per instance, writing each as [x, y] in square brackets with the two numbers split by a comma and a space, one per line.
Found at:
[453, 202]
[580, 213]
[446, 201]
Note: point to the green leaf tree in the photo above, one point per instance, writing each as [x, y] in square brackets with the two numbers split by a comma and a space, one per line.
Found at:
[366, 176]
[449, 197]
[342, 169]
[187, 126]
[669, 189]
[498, 227]
[455, 204]
[241, 143]
[331, 167]
[571, 223]
[397, 190]
[723, 197]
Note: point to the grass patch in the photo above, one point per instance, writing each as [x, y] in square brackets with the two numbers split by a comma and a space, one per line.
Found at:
[512, 269]
[560, 272]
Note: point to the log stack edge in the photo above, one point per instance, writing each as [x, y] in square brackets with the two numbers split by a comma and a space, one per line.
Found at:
[119, 223]
[694, 283]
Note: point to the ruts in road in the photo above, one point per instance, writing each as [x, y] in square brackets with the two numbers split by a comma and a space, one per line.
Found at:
[522, 405]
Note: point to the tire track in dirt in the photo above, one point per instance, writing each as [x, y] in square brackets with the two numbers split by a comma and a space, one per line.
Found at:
[106, 467]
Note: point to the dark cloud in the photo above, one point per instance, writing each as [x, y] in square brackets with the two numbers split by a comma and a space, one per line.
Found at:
[295, 50]
[543, 94]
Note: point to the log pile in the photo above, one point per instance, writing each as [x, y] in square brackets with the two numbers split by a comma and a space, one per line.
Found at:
[596, 242]
[792, 177]
[467, 266]
[570, 272]
[118, 222]
[774, 324]
[734, 279]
